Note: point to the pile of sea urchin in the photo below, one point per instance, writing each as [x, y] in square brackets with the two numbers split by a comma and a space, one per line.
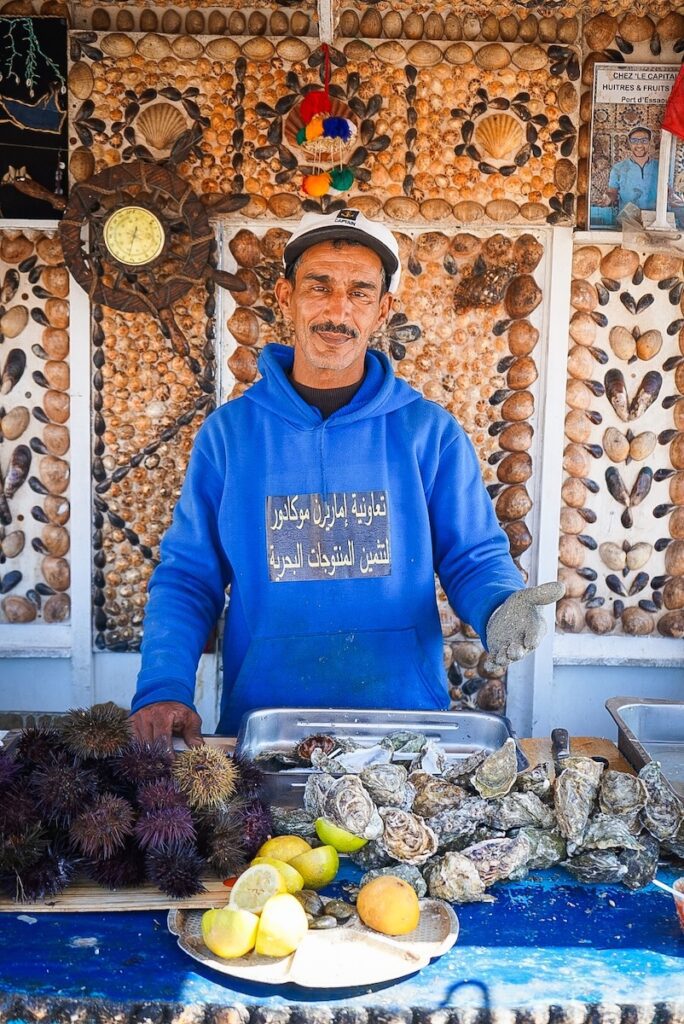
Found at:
[87, 798]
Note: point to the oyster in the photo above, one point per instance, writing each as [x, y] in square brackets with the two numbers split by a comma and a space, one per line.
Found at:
[455, 828]
[455, 878]
[596, 866]
[547, 847]
[675, 844]
[276, 761]
[350, 761]
[317, 786]
[404, 742]
[537, 780]
[288, 821]
[408, 872]
[349, 805]
[620, 793]
[574, 794]
[372, 855]
[604, 832]
[406, 837]
[306, 747]
[495, 859]
[462, 771]
[388, 785]
[430, 758]
[641, 863]
[518, 809]
[664, 811]
[497, 773]
[434, 795]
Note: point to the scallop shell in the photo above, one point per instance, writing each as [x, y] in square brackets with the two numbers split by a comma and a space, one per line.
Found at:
[493, 57]
[81, 80]
[186, 47]
[292, 49]
[222, 48]
[82, 164]
[530, 57]
[459, 53]
[391, 52]
[117, 44]
[424, 54]
[160, 124]
[258, 48]
[499, 135]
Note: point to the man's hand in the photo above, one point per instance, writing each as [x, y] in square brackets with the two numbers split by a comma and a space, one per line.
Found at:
[165, 719]
[517, 626]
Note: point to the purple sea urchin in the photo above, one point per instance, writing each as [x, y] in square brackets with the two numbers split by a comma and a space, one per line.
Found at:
[222, 839]
[164, 793]
[250, 781]
[63, 789]
[206, 775]
[9, 770]
[98, 732]
[122, 870]
[103, 828]
[37, 745]
[257, 826]
[139, 762]
[176, 870]
[22, 847]
[49, 876]
[165, 826]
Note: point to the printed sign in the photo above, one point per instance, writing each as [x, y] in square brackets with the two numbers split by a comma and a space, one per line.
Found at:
[344, 535]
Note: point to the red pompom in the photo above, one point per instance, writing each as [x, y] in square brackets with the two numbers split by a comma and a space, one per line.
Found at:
[317, 102]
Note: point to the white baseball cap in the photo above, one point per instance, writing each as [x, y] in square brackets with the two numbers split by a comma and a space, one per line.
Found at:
[352, 226]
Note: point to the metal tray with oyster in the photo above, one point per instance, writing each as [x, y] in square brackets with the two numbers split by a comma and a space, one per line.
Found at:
[359, 737]
[652, 730]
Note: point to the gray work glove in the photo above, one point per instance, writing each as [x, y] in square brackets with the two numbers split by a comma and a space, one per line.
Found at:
[517, 627]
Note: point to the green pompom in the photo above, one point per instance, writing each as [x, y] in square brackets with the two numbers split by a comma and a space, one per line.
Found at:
[341, 179]
[301, 136]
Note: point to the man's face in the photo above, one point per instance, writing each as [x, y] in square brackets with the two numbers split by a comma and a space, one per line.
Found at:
[335, 306]
[639, 145]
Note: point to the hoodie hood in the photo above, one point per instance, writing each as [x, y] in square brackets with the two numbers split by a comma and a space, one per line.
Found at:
[379, 394]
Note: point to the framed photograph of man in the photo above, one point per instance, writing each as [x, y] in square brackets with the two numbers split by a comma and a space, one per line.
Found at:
[628, 105]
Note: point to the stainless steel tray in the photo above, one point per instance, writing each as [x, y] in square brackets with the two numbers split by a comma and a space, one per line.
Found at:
[651, 730]
[460, 733]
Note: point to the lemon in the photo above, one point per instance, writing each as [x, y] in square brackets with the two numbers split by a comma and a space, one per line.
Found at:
[254, 886]
[317, 867]
[283, 847]
[293, 880]
[333, 835]
[228, 932]
[282, 926]
[389, 905]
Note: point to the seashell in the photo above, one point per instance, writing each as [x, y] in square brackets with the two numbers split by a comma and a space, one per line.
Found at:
[245, 247]
[185, 47]
[401, 208]
[523, 295]
[14, 248]
[57, 312]
[243, 364]
[600, 620]
[49, 249]
[498, 135]
[574, 493]
[57, 608]
[577, 394]
[530, 57]
[517, 437]
[636, 29]
[357, 50]
[580, 362]
[599, 31]
[567, 98]
[391, 52]
[636, 622]
[54, 473]
[14, 423]
[223, 48]
[497, 773]
[522, 337]
[572, 521]
[676, 489]
[569, 615]
[160, 124]
[533, 211]
[615, 444]
[194, 23]
[583, 295]
[503, 210]
[676, 449]
[57, 374]
[435, 209]
[56, 281]
[13, 544]
[81, 164]
[613, 556]
[149, 22]
[619, 263]
[171, 22]
[578, 426]
[649, 344]
[284, 205]
[414, 26]
[431, 246]
[153, 46]
[13, 370]
[528, 28]
[392, 25]
[56, 572]
[638, 555]
[519, 406]
[564, 175]
[101, 20]
[576, 460]
[459, 53]
[57, 509]
[616, 486]
[573, 582]
[370, 26]
[622, 342]
[56, 540]
[672, 624]
[658, 266]
[641, 446]
[259, 48]
[515, 468]
[13, 322]
[522, 373]
[117, 44]
[616, 393]
[244, 326]
[671, 26]
[371, 206]
[18, 609]
[647, 392]
[293, 50]
[493, 57]
[674, 558]
[571, 552]
[548, 30]
[585, 261]
[434, 26]
[582, 328]
[56, 439]
[125, 21]
[513, 503]
[81, 80]
[56, 405]
[424, 54]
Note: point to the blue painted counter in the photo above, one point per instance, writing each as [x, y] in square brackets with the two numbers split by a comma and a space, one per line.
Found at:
[547, 942]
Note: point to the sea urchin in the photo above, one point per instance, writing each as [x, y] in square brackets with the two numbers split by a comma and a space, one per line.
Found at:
[176, 870]
[102, 829]
[164, 826]
[63, 789]
[206, 775]
[97, 732]
[141, 762]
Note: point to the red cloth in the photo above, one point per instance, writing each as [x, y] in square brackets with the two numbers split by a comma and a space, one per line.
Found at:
[673, 118]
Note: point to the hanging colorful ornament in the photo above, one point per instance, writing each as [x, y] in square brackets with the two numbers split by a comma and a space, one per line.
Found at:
[341, 179]
[316, 184]
[314, 129]
[314, 103]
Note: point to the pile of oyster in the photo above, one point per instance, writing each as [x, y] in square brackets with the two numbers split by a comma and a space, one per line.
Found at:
[453, 830]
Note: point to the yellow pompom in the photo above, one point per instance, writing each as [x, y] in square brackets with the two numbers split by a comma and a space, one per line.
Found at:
[314, 129]
[316, 184]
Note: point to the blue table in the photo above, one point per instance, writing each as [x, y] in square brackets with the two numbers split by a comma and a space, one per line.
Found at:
[549, 950]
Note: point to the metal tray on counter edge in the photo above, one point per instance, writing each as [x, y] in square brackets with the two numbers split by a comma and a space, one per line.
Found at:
[651, 730]
[460, 733]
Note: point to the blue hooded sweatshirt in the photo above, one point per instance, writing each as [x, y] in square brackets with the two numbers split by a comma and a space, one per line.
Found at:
[328, 533]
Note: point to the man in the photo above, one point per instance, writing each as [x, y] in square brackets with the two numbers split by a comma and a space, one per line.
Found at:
[635, 179]
[326, 497]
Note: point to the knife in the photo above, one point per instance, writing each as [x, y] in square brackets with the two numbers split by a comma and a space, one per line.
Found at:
[560, 748]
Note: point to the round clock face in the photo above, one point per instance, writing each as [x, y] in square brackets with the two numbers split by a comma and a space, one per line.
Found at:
[134, 236]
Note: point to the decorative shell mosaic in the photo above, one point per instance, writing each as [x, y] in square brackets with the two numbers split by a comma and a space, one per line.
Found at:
[622, 522]
[34, 429]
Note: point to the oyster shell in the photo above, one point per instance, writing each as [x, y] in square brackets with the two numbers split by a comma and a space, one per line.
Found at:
[574, 795]
[388, 785]
[518, 809]
[462, 771]
[293, 822]
[495, 859]
[620, 793]
[315, 791]
[641, 863]
[433, 795]
[675, 845]
[430, 758]
[458, 823]
[350, 761]
[455, 878]
[604, 832]
[497, 773]
[596, 866]
[403, 741]
[664, 811]
[372, 855]
[349, 805]
[547, 847]
[406, 836]
[408, 872]
[306, 747]
[536, 780]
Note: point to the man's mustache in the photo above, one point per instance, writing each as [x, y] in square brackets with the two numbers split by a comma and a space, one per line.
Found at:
[330, 328]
